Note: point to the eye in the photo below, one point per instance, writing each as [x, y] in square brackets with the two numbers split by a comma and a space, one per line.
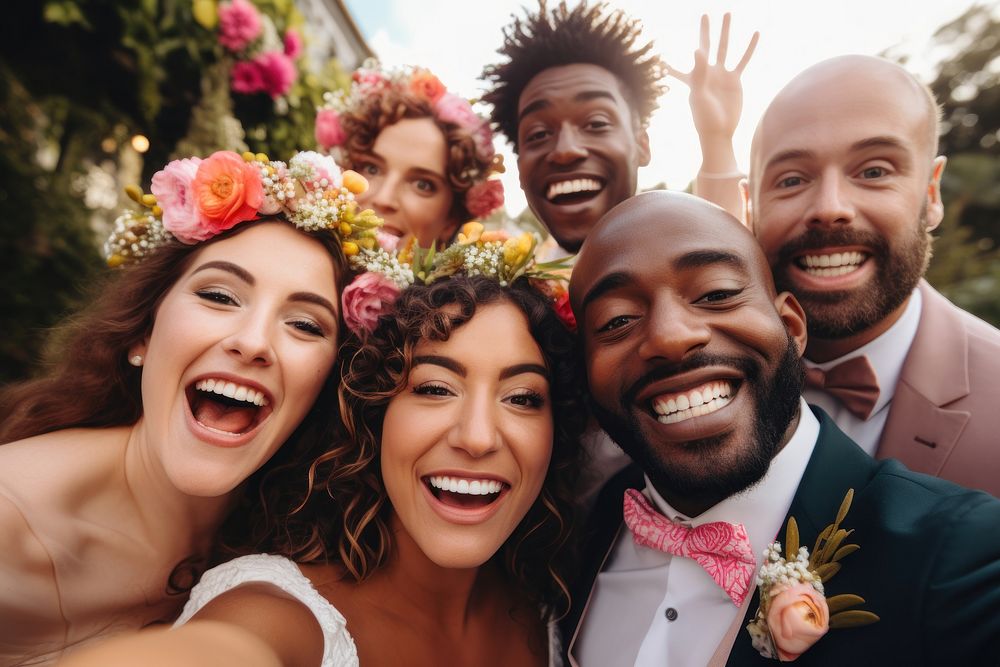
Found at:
[425, 185]
[368, 169]
[873, 172]
[527, 399]
[309, 327]
[790, 182]
[216, 295]
[719, 296]
[598, 124]
[536, 135]
[432, 389]
[616, 323]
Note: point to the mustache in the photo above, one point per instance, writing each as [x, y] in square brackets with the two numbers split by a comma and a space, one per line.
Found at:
[816, 238]
[663, 371]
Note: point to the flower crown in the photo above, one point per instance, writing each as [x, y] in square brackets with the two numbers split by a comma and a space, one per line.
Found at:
[477, 252]
[372, 80]
[195, 199]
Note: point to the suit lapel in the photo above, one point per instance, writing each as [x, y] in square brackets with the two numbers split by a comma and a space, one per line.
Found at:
[919, 431]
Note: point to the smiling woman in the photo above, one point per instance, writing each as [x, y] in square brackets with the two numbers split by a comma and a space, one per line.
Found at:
[191, 369]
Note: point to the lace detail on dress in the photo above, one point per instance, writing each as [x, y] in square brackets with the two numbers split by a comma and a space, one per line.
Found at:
[338, 646]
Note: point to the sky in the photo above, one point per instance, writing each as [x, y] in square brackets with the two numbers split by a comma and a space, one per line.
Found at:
[456, 38]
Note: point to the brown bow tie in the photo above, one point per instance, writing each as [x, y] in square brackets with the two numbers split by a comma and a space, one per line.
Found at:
[852, 382]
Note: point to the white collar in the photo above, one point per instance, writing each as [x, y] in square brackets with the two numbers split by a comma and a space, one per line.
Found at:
[887, 352]
[762, 507]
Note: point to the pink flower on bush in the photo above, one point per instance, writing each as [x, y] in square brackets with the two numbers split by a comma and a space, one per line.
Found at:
[329, 132]
[293, 43]
[172, 188]
[277, 72]
[226, 190]
[247, 78]
[797, 617]
[239, 24]
[365, 299]
[484, 197]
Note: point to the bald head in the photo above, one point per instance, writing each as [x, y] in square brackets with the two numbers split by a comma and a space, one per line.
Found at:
[638, 234]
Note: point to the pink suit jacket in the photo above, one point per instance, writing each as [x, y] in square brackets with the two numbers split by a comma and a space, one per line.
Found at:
[945, 415]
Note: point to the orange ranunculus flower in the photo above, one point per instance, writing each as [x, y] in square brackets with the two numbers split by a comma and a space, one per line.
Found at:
[797, 617]
[426, 85]
[227, 190]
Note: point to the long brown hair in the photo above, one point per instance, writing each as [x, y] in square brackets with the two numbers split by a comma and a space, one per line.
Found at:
[346, 518]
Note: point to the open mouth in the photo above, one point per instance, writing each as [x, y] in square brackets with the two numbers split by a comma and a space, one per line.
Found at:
[574, 190]
[828, 265]
[703, 400]
[465, 493]
[227, 407]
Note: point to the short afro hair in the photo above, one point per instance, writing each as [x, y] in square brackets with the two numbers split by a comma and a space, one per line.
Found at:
[566, 36]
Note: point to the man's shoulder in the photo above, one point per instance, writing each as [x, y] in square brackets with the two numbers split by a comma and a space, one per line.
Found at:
[937, 307]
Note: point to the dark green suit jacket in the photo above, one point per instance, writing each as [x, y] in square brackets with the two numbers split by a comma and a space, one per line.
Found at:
[929, 563]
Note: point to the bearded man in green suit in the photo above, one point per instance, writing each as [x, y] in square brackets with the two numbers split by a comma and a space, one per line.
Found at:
[694, 367]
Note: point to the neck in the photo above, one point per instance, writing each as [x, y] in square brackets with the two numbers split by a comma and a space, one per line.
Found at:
[820, 350]
[421, 588]
[172, 516]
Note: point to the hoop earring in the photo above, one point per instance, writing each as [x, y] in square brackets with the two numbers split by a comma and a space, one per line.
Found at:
[136, 360]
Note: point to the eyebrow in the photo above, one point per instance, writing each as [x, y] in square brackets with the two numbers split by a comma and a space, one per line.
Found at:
[229, 267]
[610, 282]
[585, 96]
[312, 297]
[418, 170]
[870, 142]
[460, 369]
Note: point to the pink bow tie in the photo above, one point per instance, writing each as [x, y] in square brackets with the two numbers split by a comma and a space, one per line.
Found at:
[721, 548]
[852, 382]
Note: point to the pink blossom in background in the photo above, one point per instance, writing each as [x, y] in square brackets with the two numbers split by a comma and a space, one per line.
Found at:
[293, 43]
[277, 72]
[484, 197]
[365, 299]
[172, 188]
[239, 24]
[329, 132]
[247, 78]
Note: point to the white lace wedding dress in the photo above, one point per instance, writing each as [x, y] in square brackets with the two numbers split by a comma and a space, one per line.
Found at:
[338, 648]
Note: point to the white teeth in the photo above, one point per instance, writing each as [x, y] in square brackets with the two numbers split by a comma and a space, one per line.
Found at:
[695, 403]
[476, 487]
[834, 264]
[572, 186]
[232, 390]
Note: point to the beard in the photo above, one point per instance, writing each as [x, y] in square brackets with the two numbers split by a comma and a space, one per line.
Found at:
[839, 314]
[725, 464]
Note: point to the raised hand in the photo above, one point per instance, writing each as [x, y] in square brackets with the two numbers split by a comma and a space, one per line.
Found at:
[716, 96]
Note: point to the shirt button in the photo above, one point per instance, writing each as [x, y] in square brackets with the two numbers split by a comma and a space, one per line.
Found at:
[670, 613]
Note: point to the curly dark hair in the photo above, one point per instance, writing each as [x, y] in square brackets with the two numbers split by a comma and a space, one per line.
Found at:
[584, 34]
[377, 112]
[347, 518]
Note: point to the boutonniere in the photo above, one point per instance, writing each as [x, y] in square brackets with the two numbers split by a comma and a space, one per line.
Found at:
[794, 611]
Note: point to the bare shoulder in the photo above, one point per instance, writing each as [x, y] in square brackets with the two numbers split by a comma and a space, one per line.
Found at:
[272, 615]
[46, 463]
[27, 575]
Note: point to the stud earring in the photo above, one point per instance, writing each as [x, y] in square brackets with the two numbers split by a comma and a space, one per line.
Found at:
[135, 360]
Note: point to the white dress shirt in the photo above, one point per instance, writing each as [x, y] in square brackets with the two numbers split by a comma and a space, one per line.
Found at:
[651, 609]
[886, 354]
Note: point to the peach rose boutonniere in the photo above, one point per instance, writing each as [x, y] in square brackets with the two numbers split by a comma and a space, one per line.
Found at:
[794, 612]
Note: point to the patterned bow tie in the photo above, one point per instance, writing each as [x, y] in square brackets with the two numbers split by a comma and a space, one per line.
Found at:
[721, 548]
[852, 382]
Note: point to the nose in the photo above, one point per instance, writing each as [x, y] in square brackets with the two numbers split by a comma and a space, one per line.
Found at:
[476, 431]
[251, 342]
[831, 204]
[568, 148]
[385, 197]
[673, 330]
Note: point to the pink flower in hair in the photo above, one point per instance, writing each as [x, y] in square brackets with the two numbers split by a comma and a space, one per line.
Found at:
[293, 43]
[172, 188]
[386, 241]
[329, 132]
[277, 72]
[454, 109]
[365, 299]
[484, 197]
[247, 78]
[239, 24]
[483, 137]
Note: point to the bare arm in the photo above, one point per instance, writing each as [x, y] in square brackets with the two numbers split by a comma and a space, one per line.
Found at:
[716, 101]
[254, 625]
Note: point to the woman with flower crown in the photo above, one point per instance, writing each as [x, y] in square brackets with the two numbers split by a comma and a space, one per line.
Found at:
[437, 533]
[197, 362]
[427, 155]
